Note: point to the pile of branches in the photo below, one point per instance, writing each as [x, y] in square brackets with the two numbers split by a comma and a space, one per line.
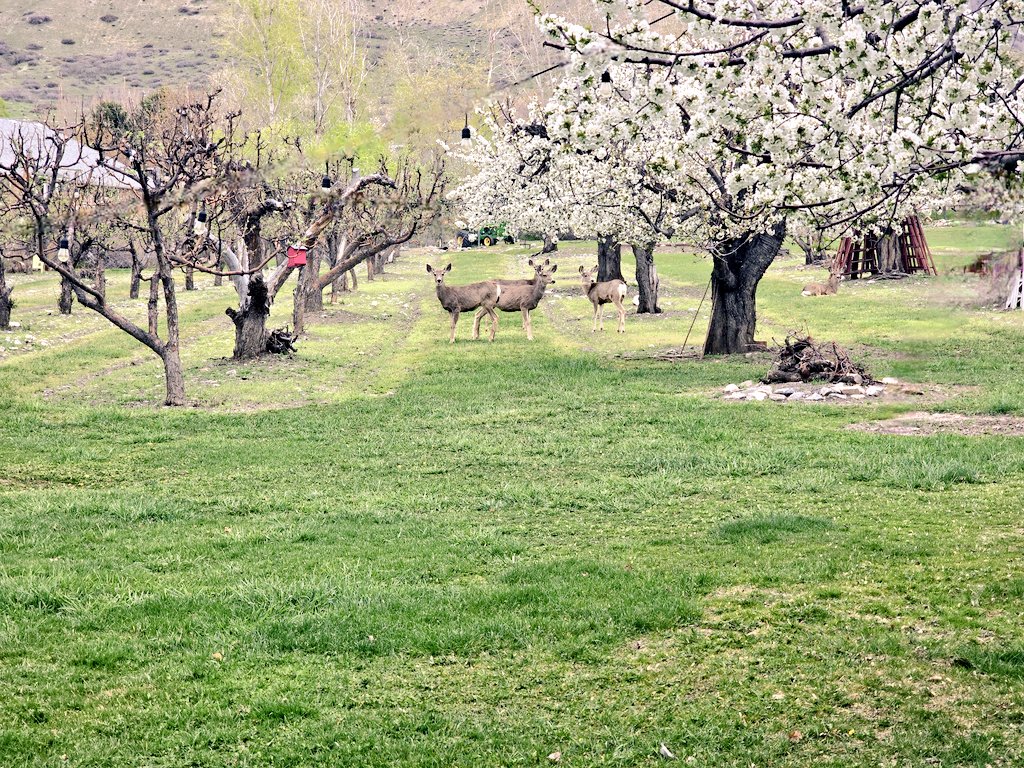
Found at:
[281, 342]
[802, 359]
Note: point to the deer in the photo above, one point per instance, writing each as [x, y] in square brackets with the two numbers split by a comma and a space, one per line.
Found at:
[524, 295]
[604, 292]
[827, 288]
[462, 298]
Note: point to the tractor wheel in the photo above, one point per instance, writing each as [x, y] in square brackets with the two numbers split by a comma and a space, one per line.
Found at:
[488, 242]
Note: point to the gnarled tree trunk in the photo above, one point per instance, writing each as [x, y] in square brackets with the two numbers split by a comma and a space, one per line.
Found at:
[314, 294]
[67, 297]
[609, 258]
[251, 321]
[739, 266]
[5, 298]
[646, 278]
[133, 291]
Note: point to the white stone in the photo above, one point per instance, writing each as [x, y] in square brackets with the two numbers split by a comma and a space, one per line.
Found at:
[890, 380]
[735, 396]
[746, 384]
[874, 391]
[758, 395]
[731, 388]
[777, 397]
[797, 396]
[838, 395]
[857, 397]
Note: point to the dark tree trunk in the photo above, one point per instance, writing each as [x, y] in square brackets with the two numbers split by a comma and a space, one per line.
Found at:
[153, 306]
[5, 299]
[550, 246]
[609, 259]
[646, 278]
[67, 298]
[190, 279]
[314, 296]
[133, 291]
[739, 266]
[218, 279]
[369, 270]
[251, 322]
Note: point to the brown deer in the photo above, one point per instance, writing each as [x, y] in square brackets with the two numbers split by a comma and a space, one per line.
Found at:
[463, 298]
[827, 288]
[604, 292]
[524, 295]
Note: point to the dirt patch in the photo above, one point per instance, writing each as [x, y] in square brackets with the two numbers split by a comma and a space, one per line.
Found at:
[921, 423]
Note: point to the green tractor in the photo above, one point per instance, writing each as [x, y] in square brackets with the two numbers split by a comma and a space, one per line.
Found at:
[487, 235]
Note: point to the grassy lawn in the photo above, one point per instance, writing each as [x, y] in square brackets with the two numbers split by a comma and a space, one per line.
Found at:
[393, 551]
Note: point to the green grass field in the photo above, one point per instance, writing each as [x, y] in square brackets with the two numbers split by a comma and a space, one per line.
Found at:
[389, 551]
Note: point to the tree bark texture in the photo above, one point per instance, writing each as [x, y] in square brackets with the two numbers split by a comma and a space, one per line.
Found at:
[739, 265]
[609, 259]
[646, 278]
[5, 299]
[136, 270]
[314, 294]
[251, 321]
[67, 298]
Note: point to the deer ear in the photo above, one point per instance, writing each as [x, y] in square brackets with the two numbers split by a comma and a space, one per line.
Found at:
[429, 268]
[597, 268]
[547, 261]
[581, 270]
[554, 269]
[530, 262]
[448, 268]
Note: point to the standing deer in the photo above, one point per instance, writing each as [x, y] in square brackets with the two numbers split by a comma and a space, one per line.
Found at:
[462, 298]
[827, 288]
[523, 295]
[606, 292]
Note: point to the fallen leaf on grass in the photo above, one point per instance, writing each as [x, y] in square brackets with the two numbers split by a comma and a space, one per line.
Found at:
[666, 752]
[555, 757]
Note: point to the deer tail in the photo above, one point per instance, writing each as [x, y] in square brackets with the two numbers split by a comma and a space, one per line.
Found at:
[622, 291]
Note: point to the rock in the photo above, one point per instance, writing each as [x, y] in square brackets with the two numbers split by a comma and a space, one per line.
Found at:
[874, 391]
[731, 388]
[746, 384]
[797, 395]
[857, 397]
[777, 397]
[838, 396]
[850, 389]
[15, 324]
[890, 380]
[735, 396]
[758, 395]
[785, 391]
[815, 396]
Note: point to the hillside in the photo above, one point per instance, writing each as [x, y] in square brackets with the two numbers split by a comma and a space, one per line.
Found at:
[61, 52]
[65, 51]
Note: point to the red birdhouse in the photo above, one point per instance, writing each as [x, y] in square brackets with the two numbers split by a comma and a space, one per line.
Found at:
[296, 256]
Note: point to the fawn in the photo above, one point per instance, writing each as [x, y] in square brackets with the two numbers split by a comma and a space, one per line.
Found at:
[605, 292]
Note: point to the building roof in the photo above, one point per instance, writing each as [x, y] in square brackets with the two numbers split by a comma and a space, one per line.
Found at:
[80, 164]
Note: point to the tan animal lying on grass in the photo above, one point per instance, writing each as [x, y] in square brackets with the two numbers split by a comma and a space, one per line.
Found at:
[827, 288]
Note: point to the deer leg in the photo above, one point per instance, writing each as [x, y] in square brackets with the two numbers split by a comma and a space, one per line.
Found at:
[600, 315]
[527, 324]
[594, 329]
[455, 319]
[476, 322]
[622, 317]
[494, 322]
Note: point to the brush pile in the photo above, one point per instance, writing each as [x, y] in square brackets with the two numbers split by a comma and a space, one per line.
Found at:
[802, 359]
[281, 342]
